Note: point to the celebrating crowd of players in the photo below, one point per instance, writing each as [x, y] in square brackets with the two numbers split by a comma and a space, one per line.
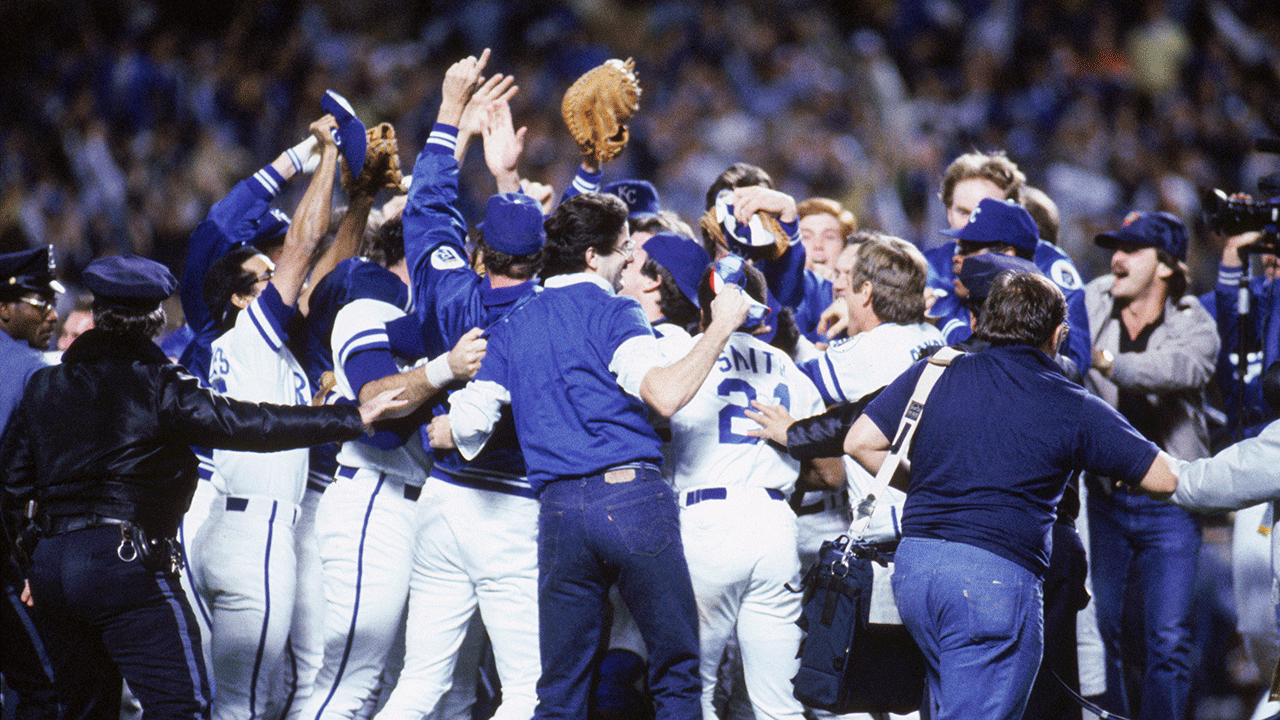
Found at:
[594, 396]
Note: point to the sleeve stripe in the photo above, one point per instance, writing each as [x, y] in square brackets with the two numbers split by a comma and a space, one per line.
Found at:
[584, 185]
[268, 183]
[1230, 276]
[371, 339]
[835, 381]
[266, 325]
[445, 136]
[951, 326]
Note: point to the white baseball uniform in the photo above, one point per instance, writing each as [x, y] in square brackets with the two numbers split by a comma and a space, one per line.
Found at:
[365, 528]
[739, 533]
[244, 555]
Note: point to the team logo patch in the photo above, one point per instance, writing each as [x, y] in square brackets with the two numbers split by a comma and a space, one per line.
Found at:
[1062, 272]
[446, 258]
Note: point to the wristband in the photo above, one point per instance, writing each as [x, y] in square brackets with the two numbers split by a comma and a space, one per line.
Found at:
[438, 371]
[303, 155]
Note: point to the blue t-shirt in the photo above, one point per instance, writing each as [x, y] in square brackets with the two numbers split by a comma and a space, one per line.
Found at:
[552, 355]
[997, 439]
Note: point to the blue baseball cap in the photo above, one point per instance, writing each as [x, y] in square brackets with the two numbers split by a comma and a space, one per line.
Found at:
[639, 195]
[1150, 229]
[979, 271]
[271, 226]
[351, 138]
[129, 282]
[513, 224]
[684, 258]
[999, 222]
[29, 271]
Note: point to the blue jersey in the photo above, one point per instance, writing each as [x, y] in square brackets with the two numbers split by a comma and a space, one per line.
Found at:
[953, 317]
[553, 361]
[998, 437]
[450, 298]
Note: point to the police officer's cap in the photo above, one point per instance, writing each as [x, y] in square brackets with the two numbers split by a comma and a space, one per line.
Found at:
[28, 271]
[129, 282]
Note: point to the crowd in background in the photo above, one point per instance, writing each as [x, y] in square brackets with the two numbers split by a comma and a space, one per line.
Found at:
[124, 121]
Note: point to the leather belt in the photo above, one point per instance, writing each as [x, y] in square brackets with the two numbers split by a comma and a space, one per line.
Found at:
[60, 524]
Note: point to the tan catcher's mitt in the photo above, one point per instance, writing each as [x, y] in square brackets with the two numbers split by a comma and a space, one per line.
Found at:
[381, 164]
[598, 105]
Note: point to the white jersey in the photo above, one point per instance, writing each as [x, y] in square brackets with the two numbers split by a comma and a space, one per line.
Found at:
[709, 445]
[360, 326]
[251, 362]
[853, 367]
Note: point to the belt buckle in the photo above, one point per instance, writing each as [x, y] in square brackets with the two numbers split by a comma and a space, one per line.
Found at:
[616, 477]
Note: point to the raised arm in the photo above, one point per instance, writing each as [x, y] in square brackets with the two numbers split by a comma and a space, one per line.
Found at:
[667, 389]
[310, 220]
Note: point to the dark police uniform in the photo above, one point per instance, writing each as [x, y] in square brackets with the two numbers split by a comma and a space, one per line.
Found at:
[101, 443]
[23, 660]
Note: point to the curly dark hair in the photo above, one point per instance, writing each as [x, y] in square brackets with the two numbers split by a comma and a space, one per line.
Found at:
[590, 220]
[1023, 308]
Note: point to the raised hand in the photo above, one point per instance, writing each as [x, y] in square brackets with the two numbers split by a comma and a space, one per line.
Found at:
[460, 83]
[503, 145]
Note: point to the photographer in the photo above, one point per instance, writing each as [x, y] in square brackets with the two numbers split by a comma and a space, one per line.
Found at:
[1247, 412]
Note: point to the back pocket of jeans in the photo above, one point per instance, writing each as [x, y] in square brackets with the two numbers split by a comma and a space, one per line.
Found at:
[646, 525]
[994, 608]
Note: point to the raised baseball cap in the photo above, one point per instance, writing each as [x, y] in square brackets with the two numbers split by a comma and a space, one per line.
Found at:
[129, 282]
[639, 195]
[1150, 229]
[684, 258]
[29, 271]
[728, 271]
[513, 224]
[999, 222]
[350, 137]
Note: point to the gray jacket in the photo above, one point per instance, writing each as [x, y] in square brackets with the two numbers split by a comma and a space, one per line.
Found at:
[1174, 371]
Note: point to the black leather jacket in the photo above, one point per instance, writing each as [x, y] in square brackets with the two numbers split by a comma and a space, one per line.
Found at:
[108, 432]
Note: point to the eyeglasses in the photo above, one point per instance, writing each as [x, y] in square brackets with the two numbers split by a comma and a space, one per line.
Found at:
[264, 277]
[44, 305]
[627, 249]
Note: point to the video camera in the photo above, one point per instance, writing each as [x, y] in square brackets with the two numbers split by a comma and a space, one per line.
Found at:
[1234, 217]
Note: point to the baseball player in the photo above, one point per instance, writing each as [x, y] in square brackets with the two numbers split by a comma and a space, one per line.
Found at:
[365, 520]
[739, 533]
[245, 556]
[475, 545]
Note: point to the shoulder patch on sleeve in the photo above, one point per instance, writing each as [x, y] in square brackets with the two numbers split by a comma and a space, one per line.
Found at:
[446, 257]
[1064, 274]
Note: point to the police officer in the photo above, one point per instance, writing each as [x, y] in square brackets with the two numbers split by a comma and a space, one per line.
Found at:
[27, 318]
[110, 485]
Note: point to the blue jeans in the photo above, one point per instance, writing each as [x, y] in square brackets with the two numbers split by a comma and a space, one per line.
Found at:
[103, 618]
[591, 534]
[1132, 537]
[977, 618]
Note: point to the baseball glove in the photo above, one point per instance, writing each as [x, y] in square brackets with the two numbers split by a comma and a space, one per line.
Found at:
[381, 164]
[598, 105]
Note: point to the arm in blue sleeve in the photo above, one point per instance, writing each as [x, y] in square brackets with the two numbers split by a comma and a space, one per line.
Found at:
[583, 182]
[1079, 345]
[231, 220]
[785, 276]
[432, 219]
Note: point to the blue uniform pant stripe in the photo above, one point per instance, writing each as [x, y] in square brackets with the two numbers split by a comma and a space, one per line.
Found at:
[355, 607]
[266, 614]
